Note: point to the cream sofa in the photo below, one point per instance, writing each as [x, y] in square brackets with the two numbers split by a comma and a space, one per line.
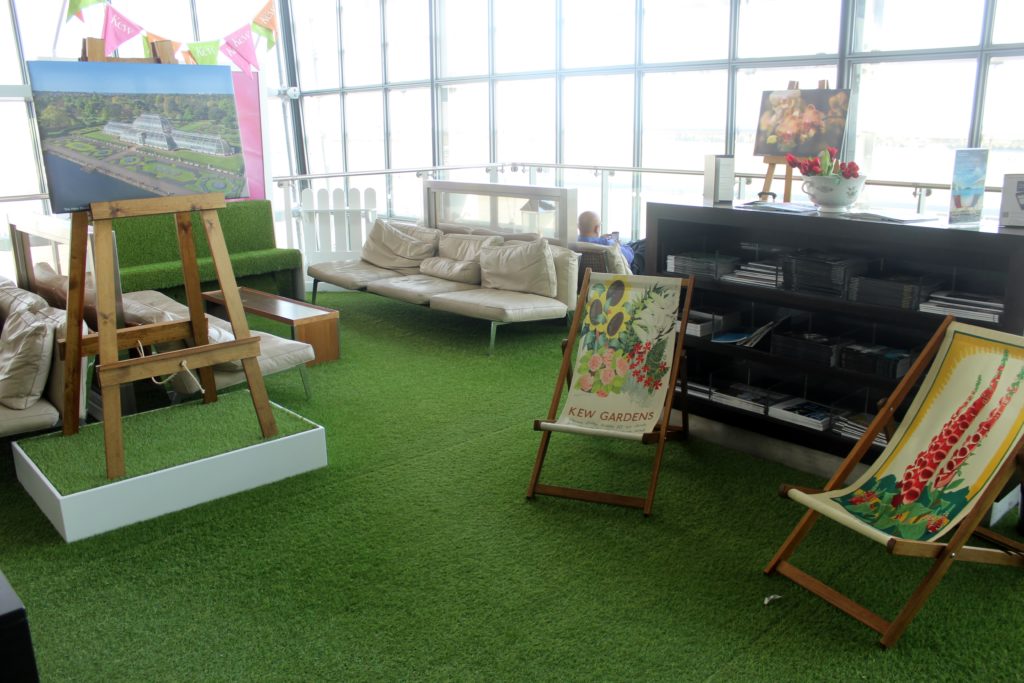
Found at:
[31, 370]
[498, 278]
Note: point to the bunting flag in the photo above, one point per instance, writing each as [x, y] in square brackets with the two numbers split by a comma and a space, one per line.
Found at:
[240, 50]
[116, 29]
[150, 38]
[265, 24]
[205, 52]
[75, 8]
[187, 57]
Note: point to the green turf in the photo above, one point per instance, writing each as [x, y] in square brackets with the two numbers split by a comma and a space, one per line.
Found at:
[414, 555]
[153, 441]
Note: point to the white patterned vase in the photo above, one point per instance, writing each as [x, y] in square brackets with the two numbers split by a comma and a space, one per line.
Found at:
[833, 193]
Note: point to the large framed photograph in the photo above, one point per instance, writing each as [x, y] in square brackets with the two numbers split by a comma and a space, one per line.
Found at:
[126, 130]
[801, 122]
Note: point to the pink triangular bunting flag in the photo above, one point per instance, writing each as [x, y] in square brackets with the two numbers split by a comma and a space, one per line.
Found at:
[240, 49]
[116, 29]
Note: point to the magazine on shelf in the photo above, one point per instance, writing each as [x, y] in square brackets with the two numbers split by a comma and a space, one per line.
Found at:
[707, 322]
[890, 216]
[746, 397]
[970, 299]
[802, 412]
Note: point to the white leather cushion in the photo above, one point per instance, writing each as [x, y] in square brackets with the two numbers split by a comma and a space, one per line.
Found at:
[351, 274]
[40, 415]
[567, 263]
[276, 354]
[12, 298]
[149, 306]
[388, 247]
[416, 289]
[520, 267]
[418, 232]
[26, 347]
[451, 269]
[465, 247]
[499, 305]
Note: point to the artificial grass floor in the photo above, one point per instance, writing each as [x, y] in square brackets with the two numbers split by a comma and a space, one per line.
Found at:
[414, 555]
[155, 440]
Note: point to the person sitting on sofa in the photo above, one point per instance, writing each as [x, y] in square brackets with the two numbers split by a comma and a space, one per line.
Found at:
[589, 226]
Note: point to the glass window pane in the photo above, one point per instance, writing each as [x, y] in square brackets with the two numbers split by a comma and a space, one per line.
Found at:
[407, 39]
[788, 27]
[464, 121]
[360, 42]
[45, 34]
[462, 25]
[917, 144]
[598, 120]
[321, 116]
[16, 173]
[1009, 26]
[10, 65]
[364, 130]
[410, 142]
[524, 35]
[679, 31]
[597, 33]
[750, 86]
[679, 137]
[406, 196]
[1000, 129]
[172, 21]
[316, 45]
[524, 120]
[218, 19]
[917, 24]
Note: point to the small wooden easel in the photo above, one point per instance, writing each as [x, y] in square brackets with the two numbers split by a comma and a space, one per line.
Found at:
[774, 160]
[201, 355]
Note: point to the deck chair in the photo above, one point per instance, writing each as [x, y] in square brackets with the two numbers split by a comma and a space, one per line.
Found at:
[628, 348]
[946, 463]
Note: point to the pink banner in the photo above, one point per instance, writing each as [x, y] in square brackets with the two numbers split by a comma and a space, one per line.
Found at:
[247, 104]
[240, 49]
[116, 29]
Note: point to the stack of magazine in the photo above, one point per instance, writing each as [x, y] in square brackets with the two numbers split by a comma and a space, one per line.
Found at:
[766, 273]
[818, 272]
[701, 263]
[876, 359]
[809, 347]
[800, 411]
[706, 322]
[966, 305]
[895, 291]
[698, 389]
[746, 397]
[853, 426]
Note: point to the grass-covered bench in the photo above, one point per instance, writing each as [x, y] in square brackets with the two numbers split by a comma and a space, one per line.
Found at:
[149, 258]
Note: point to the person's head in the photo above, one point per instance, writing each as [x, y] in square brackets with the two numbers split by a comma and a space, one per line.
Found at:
[589, 224]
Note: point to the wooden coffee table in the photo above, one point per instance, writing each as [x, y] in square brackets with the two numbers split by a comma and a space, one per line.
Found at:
[315, 325]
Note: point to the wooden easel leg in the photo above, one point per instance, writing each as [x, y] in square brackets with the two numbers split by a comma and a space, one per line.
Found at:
[260, 400]
[73, 327]
[542, 452]
[194, 297]
[107, 320]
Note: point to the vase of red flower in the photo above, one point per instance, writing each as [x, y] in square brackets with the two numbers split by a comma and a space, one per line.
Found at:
[832, 185]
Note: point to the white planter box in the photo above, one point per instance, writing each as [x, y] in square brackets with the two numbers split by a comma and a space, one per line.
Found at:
[121, 503]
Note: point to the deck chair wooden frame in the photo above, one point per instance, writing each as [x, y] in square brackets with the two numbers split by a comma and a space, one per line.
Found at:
[661, 433]
[942, 553]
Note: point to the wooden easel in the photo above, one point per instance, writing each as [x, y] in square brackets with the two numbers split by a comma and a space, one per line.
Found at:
[774, 160]
[201, 355]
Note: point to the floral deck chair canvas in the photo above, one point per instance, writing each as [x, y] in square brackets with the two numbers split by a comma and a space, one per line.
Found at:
[626, 342]
[946, 463]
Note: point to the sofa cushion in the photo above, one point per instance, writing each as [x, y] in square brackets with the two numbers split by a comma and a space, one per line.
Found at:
[38, 416]
[351, 274]
[418, 232]
[276, 354]
[416, 289]
[467, 272]
[12, 298]
[520, 267]
[26, 347]
[388, 247]
[499, 305]
[465, 247]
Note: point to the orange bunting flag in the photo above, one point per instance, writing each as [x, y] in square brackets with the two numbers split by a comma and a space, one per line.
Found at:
[150, 38]
[265, 24]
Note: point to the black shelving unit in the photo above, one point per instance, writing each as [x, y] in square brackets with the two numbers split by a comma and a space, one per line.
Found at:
[989, 260]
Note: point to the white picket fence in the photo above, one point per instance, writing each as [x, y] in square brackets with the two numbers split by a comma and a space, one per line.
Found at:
[332, 226]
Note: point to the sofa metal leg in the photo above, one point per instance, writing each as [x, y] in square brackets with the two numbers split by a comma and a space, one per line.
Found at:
[494, 331]
[305, 381]
[315, 284]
